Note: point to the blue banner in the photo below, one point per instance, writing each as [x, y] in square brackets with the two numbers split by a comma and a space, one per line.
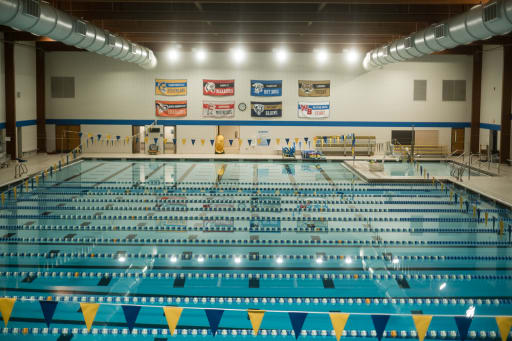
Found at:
[266, 88]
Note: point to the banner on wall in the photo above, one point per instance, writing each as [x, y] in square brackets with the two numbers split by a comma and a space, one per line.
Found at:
[314, 88]
[313, 110]
[266, 88]
[171, 87]
[171, 108]
[266, 109]
[212, 109]
[218, 87]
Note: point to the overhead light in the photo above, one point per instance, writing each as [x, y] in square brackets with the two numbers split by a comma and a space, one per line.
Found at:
[173, 55]
[348, 260]
[279, 260]
[470, 312]
[121, 259]
[238, 55]
[396, 260]
[319, 260]
[281, 55]
[238, 259]
[200, 55]
[442, 286]
[321, 55]
[352, 56]
[174, 259]
[200, 259]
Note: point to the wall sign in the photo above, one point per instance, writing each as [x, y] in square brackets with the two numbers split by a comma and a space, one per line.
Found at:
[171, 87]
[266, 88]
[266, 109]
[314, 88]
[171, 108]
[218, 109]
[218, 87]
[313, 110]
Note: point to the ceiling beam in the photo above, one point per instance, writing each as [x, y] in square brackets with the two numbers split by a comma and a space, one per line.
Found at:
[372, 2]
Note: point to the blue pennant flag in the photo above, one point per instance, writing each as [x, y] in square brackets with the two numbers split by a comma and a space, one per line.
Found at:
[230, 142]
[214, 316]
[80, 134]
[287, 140]
[353, 141]
[297, 320]
[325, 139]
[99, 137]
[379, 322]
[342, 137]
[193, 141]
[249, 141]
[268, 142]
[156, 140]
[173, 141]
[118, 137]
[48, 309]
[130, 314]
[212, 142]
[463, 324]
[306, 139]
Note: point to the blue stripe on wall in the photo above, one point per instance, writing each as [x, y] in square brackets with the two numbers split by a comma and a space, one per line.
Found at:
[265, 123]
[490, 126]
[26, 123]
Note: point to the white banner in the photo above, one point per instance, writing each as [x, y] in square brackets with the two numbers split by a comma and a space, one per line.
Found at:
[214, 109]
[313, 109]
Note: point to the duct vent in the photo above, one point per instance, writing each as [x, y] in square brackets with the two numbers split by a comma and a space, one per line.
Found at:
[454, 90]
[491, 12]
[63, 87]
[420, 90]
[132, 48]
[31, 7]
[440, 31]
[80, 27]
[385, 51]
[409, 43]
[111, 40]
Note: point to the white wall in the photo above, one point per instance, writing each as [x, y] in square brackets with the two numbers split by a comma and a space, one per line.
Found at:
[492, 88]
[109, 89]
[2, 79]
[25, 84]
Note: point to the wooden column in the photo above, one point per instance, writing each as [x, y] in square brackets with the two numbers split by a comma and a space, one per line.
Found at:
[506, 104]
[10, 100]
[40, 100]
[476, 100]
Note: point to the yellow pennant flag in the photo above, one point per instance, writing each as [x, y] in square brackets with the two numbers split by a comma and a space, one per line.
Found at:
[202, 142]
[6, 305]
[183, 141]
[3, 198]
[422, 322]
[296, 140]
[89, 311]
[146, 139]
[338, 321]
[239, 142]
[172, 315]
[26, 185]
[165, 140]
[504, 323]
[256, 316]
[14, 192]
[258, 141]
[278, 141]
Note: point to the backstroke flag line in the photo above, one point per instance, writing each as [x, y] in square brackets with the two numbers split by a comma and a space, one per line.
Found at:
[421, 322]
[89, 311]
[256, 316]
[6, 305]
[338, 321]
[172, 315]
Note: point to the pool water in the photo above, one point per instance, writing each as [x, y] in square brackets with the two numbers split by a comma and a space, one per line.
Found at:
[276, 236]
[419, 168]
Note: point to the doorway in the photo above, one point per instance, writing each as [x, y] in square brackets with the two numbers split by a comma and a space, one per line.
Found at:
[138, 144]
[169, 138]
[458, 140]
[231, 135]
[67, 138]
[19, 140]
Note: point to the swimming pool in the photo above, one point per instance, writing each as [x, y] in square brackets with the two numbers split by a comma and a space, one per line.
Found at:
[283, 237]
[417, 169]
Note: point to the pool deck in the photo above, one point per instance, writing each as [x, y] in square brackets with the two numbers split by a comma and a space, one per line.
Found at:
[498, 188]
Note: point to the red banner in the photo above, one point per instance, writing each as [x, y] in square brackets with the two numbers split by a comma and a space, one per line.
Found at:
[218, 87]
[171, 108]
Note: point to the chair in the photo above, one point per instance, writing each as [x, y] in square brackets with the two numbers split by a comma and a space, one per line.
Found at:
[153, 149]
[20, 168]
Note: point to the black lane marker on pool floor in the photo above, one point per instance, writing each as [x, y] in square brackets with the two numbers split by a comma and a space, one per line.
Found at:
[65, 337]
[402, 283]
[9, 235]
[29, 278]
[328, 283]
[114, 174]
[290, 176]
[104, 281]
[325, 175]
[254, 283]
[79, 174]
[179, 282]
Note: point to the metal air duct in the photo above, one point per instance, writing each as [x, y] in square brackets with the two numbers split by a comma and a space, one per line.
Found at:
[480, 22]
[40, 18]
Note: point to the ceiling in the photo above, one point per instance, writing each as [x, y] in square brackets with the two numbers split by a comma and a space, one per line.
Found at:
[261, 25]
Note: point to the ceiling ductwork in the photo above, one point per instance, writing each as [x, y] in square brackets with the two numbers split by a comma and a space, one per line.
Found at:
[41, 19]
[480, 22]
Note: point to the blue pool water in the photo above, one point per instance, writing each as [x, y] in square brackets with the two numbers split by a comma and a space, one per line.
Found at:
[276, 236]
[413, 169]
